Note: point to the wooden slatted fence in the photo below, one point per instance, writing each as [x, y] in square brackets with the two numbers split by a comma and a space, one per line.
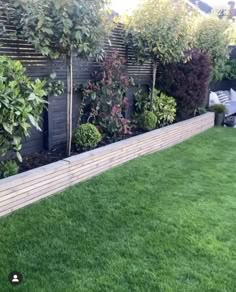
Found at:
[38, 66]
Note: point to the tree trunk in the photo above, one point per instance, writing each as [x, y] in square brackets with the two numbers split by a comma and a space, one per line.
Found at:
[69, 103]
[153, 82]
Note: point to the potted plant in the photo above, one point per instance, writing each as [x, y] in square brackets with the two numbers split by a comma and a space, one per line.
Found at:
[220, 111]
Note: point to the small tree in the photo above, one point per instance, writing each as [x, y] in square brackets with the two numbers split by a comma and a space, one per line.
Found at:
[211, 36]
[62, 27]
[159, 29]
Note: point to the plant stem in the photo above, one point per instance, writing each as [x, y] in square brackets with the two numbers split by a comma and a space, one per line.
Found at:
[69, 102]
[153, 82]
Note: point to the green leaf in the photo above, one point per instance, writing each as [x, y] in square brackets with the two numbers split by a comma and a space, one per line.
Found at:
[32, 96]
[53, 75]
[47, 30]
[19, 157]
[78, 35]
[45, 51]
[8, 127]
[33, 122]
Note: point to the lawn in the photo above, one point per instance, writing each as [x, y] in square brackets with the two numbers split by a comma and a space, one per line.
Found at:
[164, 222]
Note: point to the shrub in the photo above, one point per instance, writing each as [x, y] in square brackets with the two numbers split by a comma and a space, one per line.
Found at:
[149, 120]
[229, 70]
[21, 105]
[8, 168]
[105, 103]
[142, 101]
[115, 124]
[86, 136]
[164, 106]
[218, 108]
[187, 83]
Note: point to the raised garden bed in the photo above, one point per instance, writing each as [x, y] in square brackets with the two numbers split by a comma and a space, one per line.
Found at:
[31, 186]
[42, 158]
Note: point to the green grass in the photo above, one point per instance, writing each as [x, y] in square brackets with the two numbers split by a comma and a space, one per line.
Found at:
[164, 222]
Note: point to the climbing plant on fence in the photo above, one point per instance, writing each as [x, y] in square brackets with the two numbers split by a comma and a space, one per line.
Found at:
[62, 27]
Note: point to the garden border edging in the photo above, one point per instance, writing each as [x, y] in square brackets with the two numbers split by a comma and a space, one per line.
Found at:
[29, 187]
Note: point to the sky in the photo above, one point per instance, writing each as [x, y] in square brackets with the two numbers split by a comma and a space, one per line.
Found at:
[126, 5]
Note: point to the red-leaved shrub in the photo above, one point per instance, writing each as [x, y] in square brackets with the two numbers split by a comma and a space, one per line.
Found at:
[187, 83]
[105, 101]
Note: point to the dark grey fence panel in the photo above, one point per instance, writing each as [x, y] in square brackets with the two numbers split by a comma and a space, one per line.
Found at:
[223, 85]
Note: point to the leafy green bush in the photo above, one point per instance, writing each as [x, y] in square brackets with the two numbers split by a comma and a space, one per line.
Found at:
[164, 107]
[8, 168]
[229, 70]
[149, 120]
[86, 136]
[142, 101]
[218, 108]
[21, 105]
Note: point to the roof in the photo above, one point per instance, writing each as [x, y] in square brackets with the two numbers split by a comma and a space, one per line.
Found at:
[224, 7]
[203, 6]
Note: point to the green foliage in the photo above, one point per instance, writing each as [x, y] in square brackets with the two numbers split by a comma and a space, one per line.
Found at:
[211, 37]
[63, 27]
[57, 27]
[232, 33]
[160, 29]
[229, 71]
[105, 101]
[149, 121]
[142, 101]
[8, 168]
[21, 105]
[164, 106]
[55, 87]
[218, 108]
[86, 136]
